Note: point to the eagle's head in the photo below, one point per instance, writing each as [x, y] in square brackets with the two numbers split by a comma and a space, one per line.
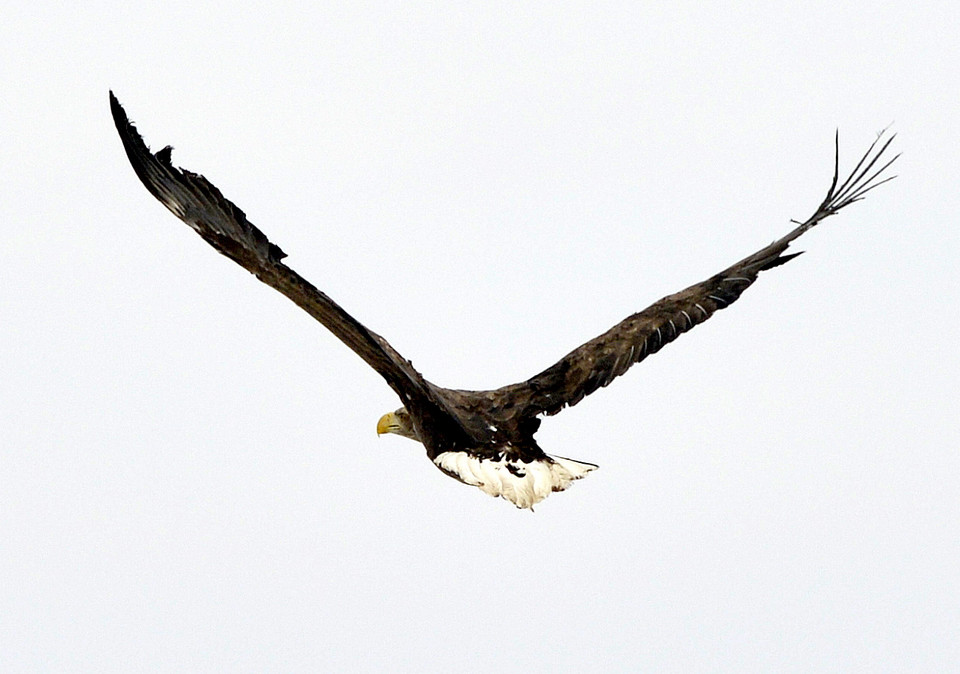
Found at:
[397, 422]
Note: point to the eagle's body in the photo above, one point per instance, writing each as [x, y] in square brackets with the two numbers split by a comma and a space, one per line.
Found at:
[482, 438]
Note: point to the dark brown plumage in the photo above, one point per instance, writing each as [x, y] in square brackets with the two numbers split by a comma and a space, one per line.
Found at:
[483, 438]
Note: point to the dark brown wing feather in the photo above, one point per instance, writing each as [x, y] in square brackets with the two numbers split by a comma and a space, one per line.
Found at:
[197, 202]
[599, 361]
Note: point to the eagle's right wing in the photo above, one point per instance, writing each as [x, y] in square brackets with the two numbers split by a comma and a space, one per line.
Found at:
[197, 202]
[599, 361]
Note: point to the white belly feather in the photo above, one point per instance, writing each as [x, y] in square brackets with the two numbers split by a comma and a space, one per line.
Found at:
[523, 484]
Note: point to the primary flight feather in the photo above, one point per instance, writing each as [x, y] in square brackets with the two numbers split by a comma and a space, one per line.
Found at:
[482, 438]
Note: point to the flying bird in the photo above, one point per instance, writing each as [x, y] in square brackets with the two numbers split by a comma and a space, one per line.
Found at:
[483, 438]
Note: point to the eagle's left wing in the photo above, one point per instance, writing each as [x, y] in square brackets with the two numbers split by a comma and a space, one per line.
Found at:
[599, 361]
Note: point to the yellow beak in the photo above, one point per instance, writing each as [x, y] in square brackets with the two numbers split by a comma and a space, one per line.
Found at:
[387, 423]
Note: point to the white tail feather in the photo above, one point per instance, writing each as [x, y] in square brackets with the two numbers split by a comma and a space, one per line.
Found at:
[523, 484]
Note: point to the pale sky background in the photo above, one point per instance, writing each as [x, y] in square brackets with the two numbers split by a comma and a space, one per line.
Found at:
[190, 478]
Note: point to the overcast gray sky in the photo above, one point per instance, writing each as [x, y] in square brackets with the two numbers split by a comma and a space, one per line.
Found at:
[190, 478]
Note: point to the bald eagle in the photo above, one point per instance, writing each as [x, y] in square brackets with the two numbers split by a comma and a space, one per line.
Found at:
[481, 438]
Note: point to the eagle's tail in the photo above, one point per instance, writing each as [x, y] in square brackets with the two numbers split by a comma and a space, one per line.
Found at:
[577, 469]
